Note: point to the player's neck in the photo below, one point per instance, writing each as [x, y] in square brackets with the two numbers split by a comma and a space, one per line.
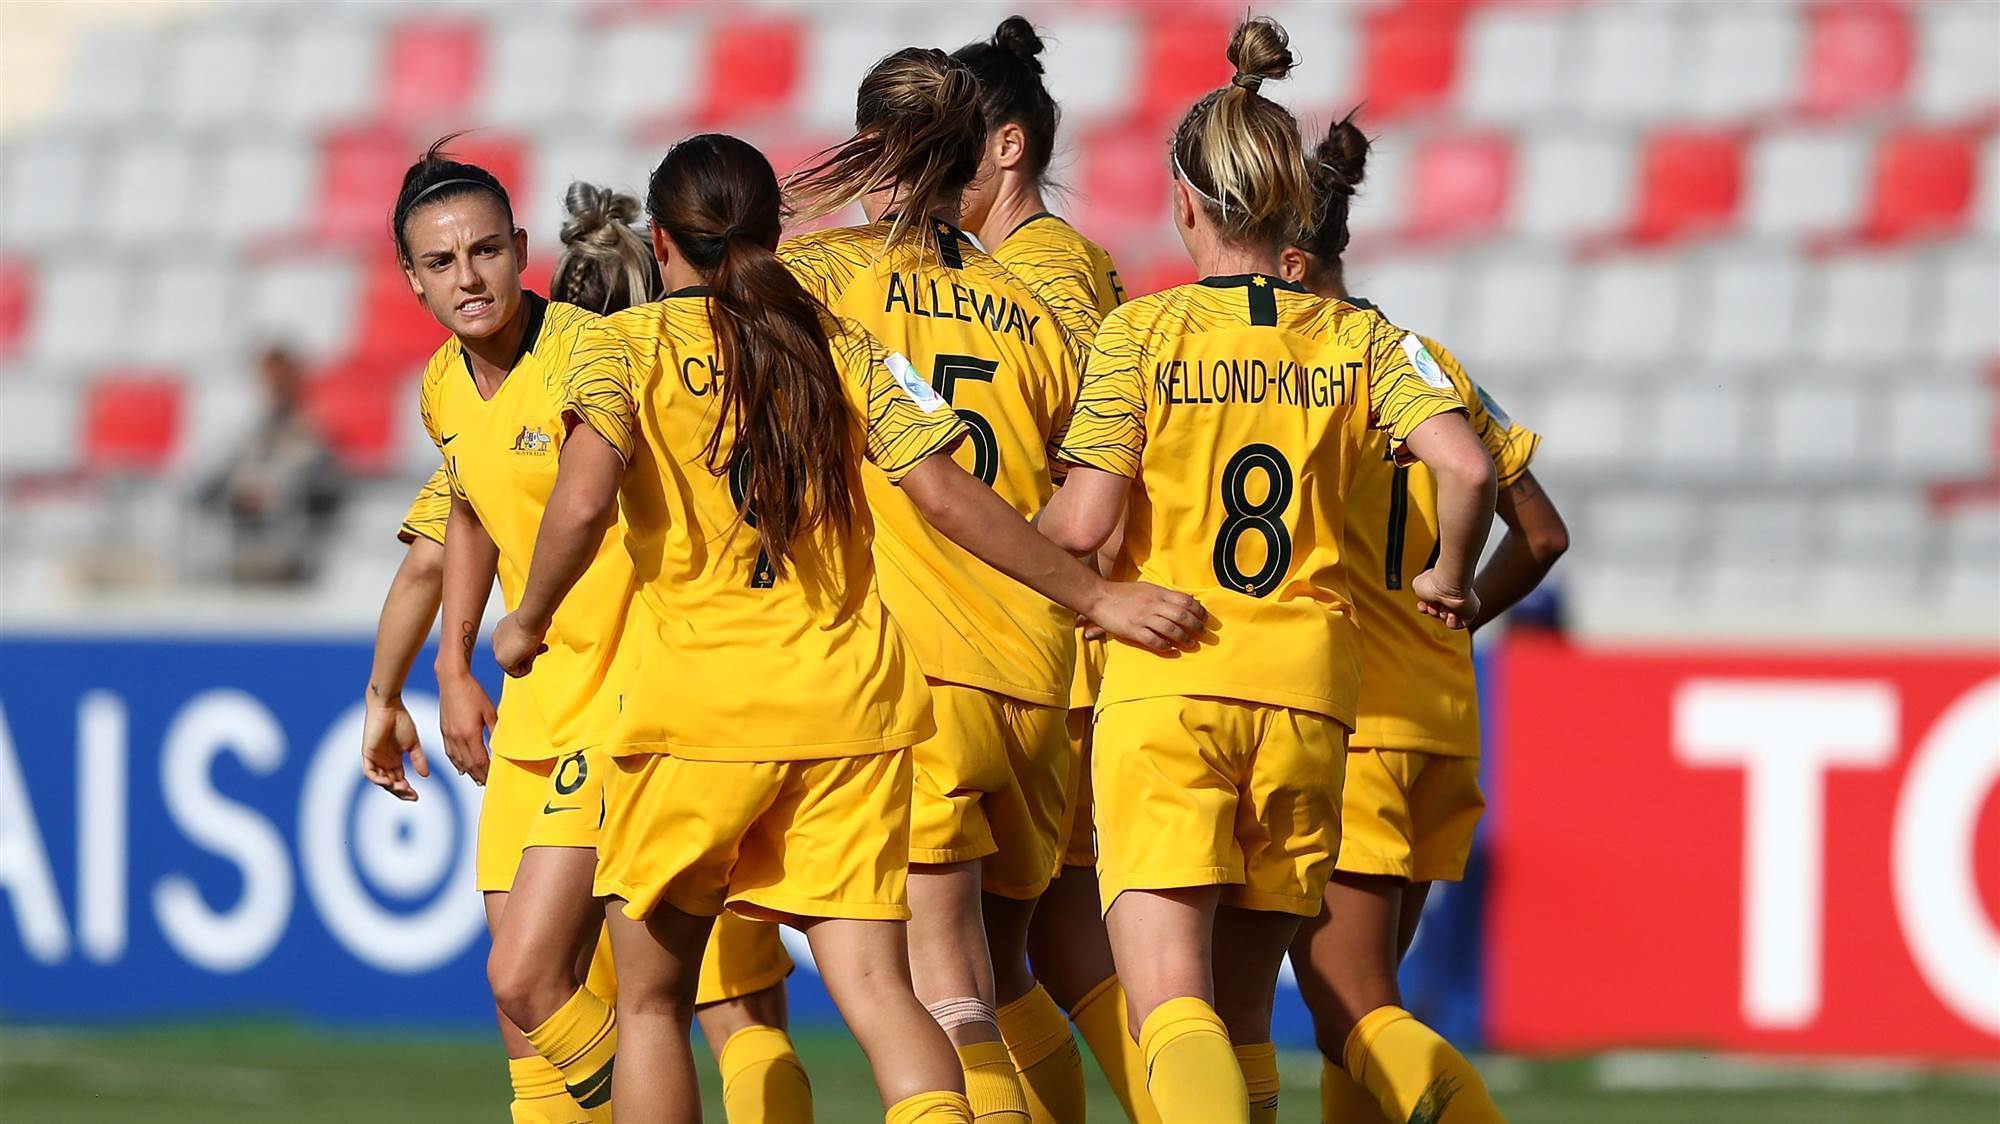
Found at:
[493, 356]
[1219, 259]
[1018, 199]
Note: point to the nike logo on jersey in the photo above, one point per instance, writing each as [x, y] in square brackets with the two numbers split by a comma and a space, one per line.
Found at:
[551, 809]
[448, 440]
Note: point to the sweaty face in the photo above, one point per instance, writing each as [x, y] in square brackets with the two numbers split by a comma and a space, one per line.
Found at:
[465, 263]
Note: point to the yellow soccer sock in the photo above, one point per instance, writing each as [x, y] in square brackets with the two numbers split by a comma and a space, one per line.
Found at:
[1190, 1070]
[1100, 1016]
[539, 1096]
[601, 980]
[581, 1039]
[930, 1108]
[1415, 1073]
[1259, 1062]
[762, 1078]
[1045, 1055]
[1342, 1100]
[991, 1086]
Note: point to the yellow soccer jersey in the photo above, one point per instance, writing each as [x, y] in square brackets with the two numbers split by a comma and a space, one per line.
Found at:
[757, 667]
[500, 455]
[1074, 278]
[978, 335]
[429, 511]
[1071, 275]
[1417, 688]
[1238, 406]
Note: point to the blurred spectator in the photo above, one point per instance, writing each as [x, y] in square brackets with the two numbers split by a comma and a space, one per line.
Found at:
[278, 492]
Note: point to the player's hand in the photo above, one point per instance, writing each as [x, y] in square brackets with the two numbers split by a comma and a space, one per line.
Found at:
[515, 645]
[387, 733]
[1159, 620]
[1455, 607]
[465, 714]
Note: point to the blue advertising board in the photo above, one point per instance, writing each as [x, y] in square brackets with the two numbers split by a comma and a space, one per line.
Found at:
[184, 832]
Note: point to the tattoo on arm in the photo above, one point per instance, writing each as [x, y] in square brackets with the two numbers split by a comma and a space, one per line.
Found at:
[1525, 489]
[466, 639]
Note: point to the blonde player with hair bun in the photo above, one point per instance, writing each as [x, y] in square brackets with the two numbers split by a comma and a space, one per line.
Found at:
[1230, 413]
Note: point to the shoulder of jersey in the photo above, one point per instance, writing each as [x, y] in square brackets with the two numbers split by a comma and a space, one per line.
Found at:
[561, 323]
[441, 362]
[834, 255]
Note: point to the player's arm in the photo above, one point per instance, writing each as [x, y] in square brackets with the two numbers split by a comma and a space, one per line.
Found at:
[970, 514]
[1535, 538]
[1085, 512]
[387, 732]
[465, 711]
[581, 508]
[1466, 486]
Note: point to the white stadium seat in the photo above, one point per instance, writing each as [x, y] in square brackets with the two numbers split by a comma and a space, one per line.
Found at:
[48, 183]
[1698, 432]
[1805, 182]
[260, 186]
[306, 303]
[1572, 182]
[637, 70]
[186, 309]
[1966, 325]
[1633, 310]
[77, 301]
[1866, 305]
[215, 72]
[43, 434]
[151, 190]
[1627, 63]
[1519, 312]
[322, 75]
[1748, 307]
[545, 41]
[1941, 431]
[1958, 59]
[1817, 430]
[1100, 88]
[1511, 63]
[1746, 59]
[1414, 291]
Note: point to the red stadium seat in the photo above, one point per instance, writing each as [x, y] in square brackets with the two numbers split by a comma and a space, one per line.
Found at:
[1122, 183]
[362, 169]
[132, 421]
[394, 327]
[1182, 59]
[1411, 61]
[1923, 185]
[16, 304]
[1857, 57]
[753, 69]
[1689, 186]
[1460, 186]
[433, 68]
[355, 408]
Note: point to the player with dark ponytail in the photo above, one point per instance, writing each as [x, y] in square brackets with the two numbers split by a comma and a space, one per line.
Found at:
[1412, 795]
[769, 704]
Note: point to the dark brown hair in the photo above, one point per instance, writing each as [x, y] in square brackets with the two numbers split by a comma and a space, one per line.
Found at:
[1338, 163]
[717, 199]
[1011, 89]
[918, 126]
[606, 265]
[436, 177]
[1240, 151]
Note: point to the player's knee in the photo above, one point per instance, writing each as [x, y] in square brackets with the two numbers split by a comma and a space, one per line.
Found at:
[527, 989]
[1247, 1018]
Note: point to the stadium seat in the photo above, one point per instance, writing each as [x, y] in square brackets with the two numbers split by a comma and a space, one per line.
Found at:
[214, 71]
[1327, 82]
[186, 308]
[1857, 57]
[1091, 93]
[1965, 327]
[1746, 60]
[1518, 312]
[432, 69]
[114, 76]
[151, 193]
[1689, 186]
[1941, 432]
[1805, 182]
[1587, 430]
[1459, 186]
[355, 414]
[1890, 525]
[132, 422]
[1414, 291]
[623, 78]
[1123, 183]
[1572, 183]
[1411, 61]
[1816, 431]
[839, 51]
[260, 186]
[42, 430]
[1631, 311]
[1757, 550]
[1958, 62]
[49, 183]
[1627, 62]
[1867, 308]
[1512, 63]
[74, 302]
[545, 41]
[309, 303]
[753, 69]
[1644, 523]
[1179, 61]
[1989, 186]
[1748, 307]
[1923, 186]
[17, 303]
[1698, 432]
[1379, 213]
[322, 75]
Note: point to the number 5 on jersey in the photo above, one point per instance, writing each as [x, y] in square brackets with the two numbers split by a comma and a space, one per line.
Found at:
[946, 373]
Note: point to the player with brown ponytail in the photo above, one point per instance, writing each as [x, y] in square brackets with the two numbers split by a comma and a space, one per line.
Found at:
[991, 803]
[1412, 795]
[1236, 405]
[769, 704]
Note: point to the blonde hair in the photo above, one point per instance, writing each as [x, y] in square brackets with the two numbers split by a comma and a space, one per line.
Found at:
[1240, 152]
[606, 264]
[918, 126]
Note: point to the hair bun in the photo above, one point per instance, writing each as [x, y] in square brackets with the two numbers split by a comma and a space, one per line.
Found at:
[1260, 49]
[1017, 36]
[595, 214]
[1341, 159]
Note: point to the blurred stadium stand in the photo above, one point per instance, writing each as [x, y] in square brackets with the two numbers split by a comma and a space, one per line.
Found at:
[1739, 262]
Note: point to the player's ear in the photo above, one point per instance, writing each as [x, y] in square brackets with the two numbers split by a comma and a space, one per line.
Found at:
[1010, 146]
[662, 244]
[1184, 206]
[410, 275]
[520, 248]
[1293, 263]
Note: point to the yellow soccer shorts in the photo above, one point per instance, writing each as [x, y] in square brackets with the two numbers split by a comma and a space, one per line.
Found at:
[1207, 792]
[743, 957]
[1408, 814]
[770, 840]
[557, 802]
[1080, 840]
[991, 784]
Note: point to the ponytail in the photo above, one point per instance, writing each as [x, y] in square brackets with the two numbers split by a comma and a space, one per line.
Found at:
[1240, 152]
[1338, 163]
[781, 401]
[606, 266]
[918, 128]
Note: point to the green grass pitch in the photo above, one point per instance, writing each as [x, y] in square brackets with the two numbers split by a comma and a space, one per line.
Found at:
[237, 1073]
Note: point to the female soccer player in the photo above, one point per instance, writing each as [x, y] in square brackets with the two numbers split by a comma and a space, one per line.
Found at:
[990, 801]
[772, 700]
[1237, 405]
[1412, 795]
[1074, 278]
